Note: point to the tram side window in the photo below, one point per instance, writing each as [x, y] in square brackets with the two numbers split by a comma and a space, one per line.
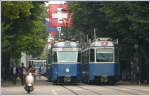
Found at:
[55, 57]
[79, 57]
[84, 58]
[92, 55]
[87, 56]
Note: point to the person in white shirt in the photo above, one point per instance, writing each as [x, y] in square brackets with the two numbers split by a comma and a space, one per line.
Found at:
[14, 71]
[23, 73]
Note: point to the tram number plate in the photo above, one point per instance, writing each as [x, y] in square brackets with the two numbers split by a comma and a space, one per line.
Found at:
[67, 78]
[104, 78]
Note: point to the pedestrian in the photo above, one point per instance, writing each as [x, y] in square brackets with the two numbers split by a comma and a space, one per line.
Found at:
[138, 75]
[30, 68]
[23, 73]
[14, 71]
[40, 72]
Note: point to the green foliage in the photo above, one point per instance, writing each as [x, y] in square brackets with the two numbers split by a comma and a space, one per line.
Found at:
[23, 29]
[126, 21]
[115, 19]
[14, 10]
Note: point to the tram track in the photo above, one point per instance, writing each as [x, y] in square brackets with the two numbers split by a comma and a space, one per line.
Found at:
[72, 91]
[115, 88]
[90, 90]
[133, 89]
[120, 90]
[75, 93]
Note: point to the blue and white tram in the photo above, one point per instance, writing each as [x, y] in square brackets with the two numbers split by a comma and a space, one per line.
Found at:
[66, 66]
[98, 61]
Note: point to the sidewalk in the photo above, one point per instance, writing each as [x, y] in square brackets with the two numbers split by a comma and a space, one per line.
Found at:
[10, 83]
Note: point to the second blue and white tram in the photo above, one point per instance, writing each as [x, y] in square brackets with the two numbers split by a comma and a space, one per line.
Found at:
[98, 61]
[66, 66]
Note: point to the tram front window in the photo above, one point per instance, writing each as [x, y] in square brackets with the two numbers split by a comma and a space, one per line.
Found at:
[104, 55]
[67, 56]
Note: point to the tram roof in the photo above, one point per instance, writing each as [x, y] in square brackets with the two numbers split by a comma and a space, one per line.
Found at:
[102, 43]
[66, 44]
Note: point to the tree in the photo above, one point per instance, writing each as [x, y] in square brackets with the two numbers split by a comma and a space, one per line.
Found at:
[126, 21]
[23, 30]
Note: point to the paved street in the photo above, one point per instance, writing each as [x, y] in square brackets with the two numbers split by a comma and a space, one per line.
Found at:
[42, 87]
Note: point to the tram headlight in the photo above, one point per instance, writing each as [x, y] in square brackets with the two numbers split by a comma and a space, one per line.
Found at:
[67, 70]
